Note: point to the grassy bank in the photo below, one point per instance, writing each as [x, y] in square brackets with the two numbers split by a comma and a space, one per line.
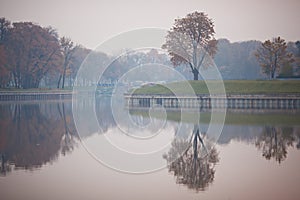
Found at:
[231, 87]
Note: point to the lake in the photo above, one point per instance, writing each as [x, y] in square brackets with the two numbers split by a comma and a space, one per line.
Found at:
[51, 151]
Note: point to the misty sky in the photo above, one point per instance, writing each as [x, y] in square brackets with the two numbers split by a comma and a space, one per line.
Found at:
[91, 22]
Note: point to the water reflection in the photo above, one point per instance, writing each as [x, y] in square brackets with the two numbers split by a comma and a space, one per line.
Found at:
[195, 167]
[274, 141]
[37, 134]
[68, 141]
[104, 113]
[5, 166]
[32, 135]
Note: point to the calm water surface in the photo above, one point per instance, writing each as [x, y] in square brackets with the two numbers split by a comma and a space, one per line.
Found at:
[42, 157]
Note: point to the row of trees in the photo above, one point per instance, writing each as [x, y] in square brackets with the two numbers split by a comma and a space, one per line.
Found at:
[30, 53]
[32, 56]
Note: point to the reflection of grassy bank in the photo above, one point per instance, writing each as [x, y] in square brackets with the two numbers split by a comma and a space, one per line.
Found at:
[231, 87]
[231, 118]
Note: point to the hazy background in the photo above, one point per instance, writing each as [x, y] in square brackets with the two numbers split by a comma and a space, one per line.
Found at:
[90, 22]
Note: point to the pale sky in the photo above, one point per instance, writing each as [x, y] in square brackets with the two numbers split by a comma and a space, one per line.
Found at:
[90, 22]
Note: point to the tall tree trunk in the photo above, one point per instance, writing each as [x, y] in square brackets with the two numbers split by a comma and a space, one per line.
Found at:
[59, 79]
[63, 81]
[64, 75]
[273, 70]
[195, 63]
[196, 74]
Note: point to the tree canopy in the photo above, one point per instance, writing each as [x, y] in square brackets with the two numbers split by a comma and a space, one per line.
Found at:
[31, 55]
[272, 56]
[190, 41]
[31, 52]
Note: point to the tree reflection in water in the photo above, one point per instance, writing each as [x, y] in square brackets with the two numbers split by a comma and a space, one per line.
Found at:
[193, 162]
[67, 143]
[5, 166]
[32, 135]
[274, 141]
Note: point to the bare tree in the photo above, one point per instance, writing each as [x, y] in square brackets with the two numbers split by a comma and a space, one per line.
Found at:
[190, 41]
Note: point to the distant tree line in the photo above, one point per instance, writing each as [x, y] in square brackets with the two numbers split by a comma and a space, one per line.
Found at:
[32, 56]
[236, 60]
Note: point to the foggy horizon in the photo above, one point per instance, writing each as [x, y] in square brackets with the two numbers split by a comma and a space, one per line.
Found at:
[90, 23]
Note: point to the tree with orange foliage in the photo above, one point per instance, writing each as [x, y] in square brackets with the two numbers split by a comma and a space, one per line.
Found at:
[4, 73]
[32, 52]
[272, 56]
[190, 41]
